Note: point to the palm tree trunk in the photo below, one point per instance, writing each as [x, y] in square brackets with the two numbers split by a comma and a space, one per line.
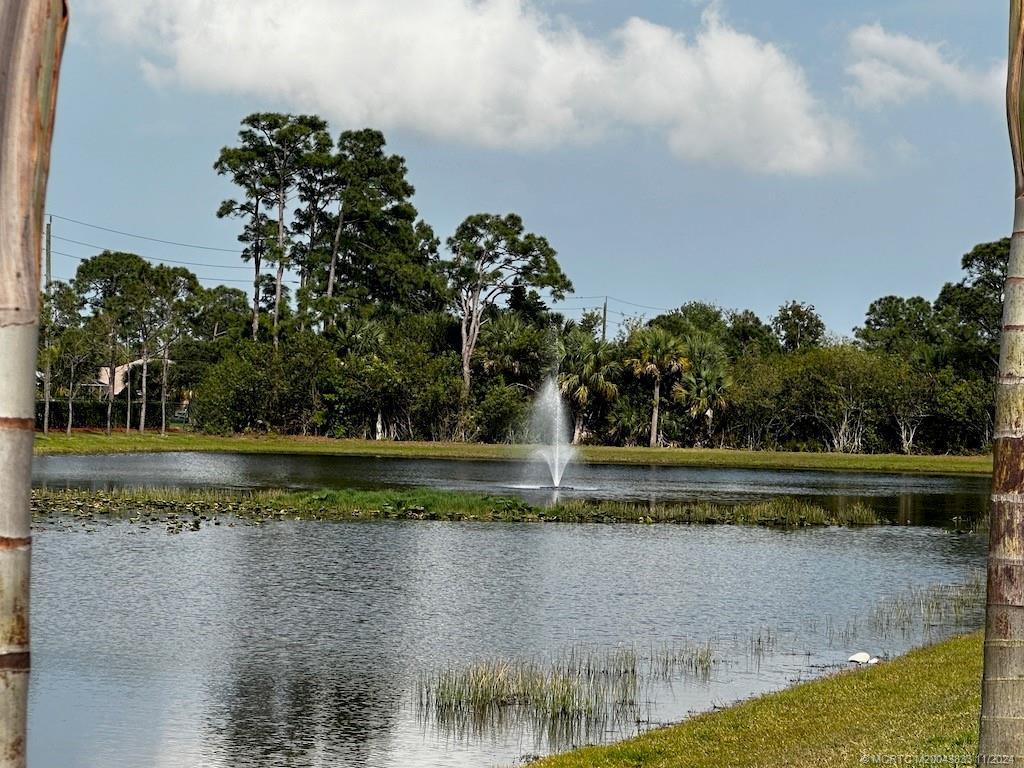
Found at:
[46, 390]
[163, 391]
[1001, 727]
[31, 40]
[128, 388]
[1001, 734]
[145, 376]
[111, 374]
[577, 432]
[71, 395]
[654, 412]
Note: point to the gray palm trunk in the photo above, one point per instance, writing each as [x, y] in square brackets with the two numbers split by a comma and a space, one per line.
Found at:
[654, 411]
[111, 373]
[128, 392]
[71, 395]
[577, 432]
[1001, 734]
[31, 40]
[145, 378]
[46, 393]
[163, 390]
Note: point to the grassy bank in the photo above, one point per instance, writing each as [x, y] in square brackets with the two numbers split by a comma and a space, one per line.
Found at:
[119, 442]
[169, 505]
[923, 704]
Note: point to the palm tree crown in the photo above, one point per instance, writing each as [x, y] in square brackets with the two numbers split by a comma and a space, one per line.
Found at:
[656, 354]
[703, 388]
[587, 374]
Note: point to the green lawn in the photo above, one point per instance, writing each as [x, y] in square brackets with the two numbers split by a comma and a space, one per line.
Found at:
[119, 442]
[923, 704]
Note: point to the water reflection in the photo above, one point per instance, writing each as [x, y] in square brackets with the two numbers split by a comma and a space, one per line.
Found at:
[301, 643]
[294, 714]
[961, 507]
[905, 499]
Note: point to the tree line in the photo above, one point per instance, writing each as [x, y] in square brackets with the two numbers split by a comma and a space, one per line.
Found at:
[387, 334]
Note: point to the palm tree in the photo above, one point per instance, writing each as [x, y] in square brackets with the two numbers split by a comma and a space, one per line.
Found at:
[656, 354]
[510, 346]
[360, 336]
[33, 34]
[1001, 733]
[587, 372]
[702, 389]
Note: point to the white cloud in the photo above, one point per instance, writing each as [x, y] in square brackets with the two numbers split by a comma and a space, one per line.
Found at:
[726, 97]
[498, 73]
[893, 69]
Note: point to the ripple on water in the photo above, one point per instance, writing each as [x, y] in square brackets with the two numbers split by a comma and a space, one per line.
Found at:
[302, 642]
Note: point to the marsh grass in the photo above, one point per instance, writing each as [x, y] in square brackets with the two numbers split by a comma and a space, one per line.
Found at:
[843, 635]
[973, 524]
[762, 643]
[563, 701]
[203, 505]
[681, 660]
[780, 512]
[924, 610]
[586, 692]
[575, 696]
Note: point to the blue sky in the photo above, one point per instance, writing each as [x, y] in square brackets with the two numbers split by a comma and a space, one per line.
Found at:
[740, 152]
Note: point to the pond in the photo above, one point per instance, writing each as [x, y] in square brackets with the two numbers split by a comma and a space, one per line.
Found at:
[306, 643]
[918, 499]
[302, 643]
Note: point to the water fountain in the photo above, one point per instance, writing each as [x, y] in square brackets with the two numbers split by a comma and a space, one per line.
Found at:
[549, 426]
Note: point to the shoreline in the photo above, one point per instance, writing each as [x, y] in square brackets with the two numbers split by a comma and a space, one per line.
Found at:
[921, 706]
[91, 443]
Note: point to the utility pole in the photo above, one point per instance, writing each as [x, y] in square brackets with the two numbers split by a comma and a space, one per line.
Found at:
[31, 41]
[49, 328]
[604, 321]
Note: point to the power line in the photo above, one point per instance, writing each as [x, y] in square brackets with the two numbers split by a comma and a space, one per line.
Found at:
[154, 259]
[145, 237]
[169, 261]
[642, 306]
[238, 252]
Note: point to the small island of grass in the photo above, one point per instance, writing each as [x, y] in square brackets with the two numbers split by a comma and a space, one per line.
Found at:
[173, 506]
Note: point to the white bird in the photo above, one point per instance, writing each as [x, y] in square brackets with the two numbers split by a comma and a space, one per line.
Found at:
[874, 660]
[861, 658]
